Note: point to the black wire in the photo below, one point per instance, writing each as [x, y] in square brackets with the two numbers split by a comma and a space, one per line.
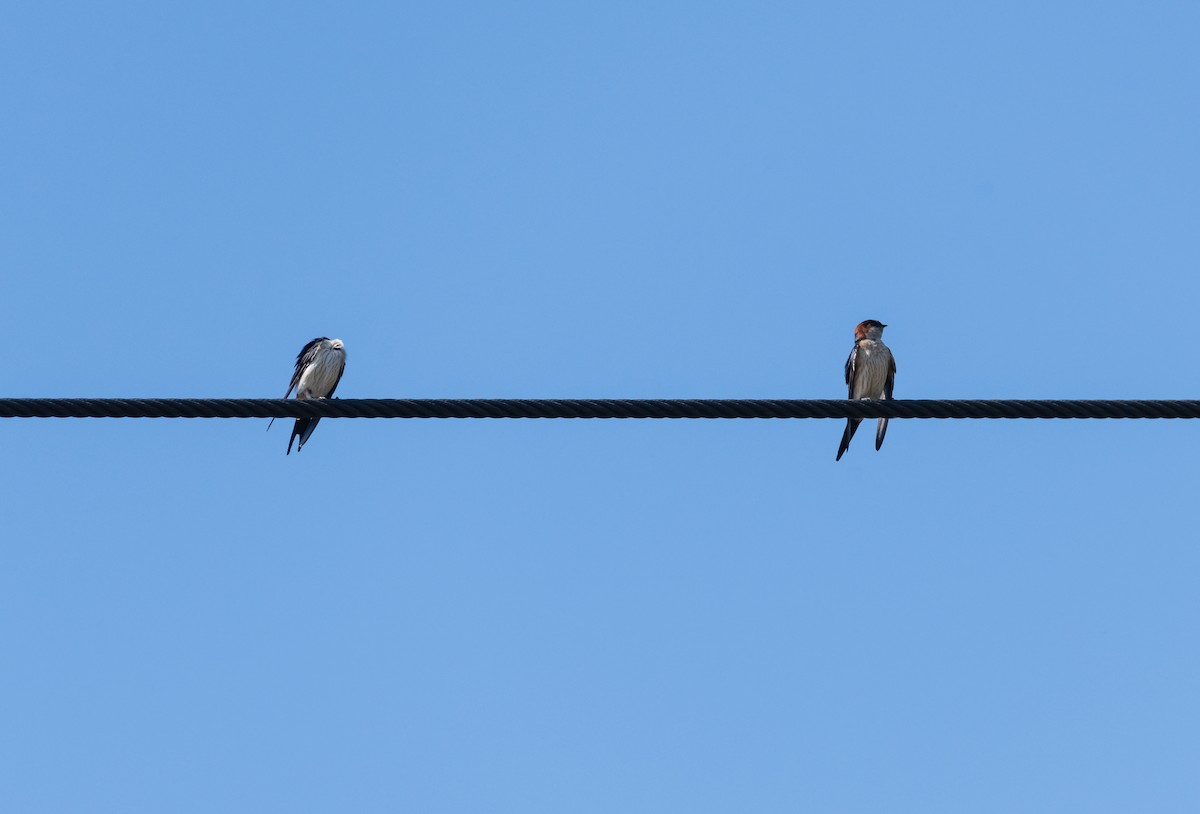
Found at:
[590, 408]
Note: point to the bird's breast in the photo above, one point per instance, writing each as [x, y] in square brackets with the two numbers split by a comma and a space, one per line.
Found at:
[872, 365]
[320, 377]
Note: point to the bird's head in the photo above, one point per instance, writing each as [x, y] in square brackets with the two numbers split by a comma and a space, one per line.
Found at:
[870, 329]
[336, 344]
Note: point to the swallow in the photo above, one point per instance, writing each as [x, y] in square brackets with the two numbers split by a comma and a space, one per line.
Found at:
[870, 374]
[319, 368]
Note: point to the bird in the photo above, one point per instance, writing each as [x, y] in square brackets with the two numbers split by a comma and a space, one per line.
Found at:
[870, 374]
[319, 368]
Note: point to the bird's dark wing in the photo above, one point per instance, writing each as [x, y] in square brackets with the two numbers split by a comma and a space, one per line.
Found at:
[303, 359]
[851, 363]
[881, 427]
[851, 423]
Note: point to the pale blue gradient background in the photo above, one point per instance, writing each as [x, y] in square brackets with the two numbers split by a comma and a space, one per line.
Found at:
[601, 200]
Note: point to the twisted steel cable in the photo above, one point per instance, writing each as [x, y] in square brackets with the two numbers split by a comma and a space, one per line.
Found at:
[591, 408]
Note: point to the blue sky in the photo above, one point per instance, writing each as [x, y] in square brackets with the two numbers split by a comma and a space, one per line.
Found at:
[604, 200]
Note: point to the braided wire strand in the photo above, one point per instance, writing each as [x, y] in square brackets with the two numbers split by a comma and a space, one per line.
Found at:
[591, 408]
